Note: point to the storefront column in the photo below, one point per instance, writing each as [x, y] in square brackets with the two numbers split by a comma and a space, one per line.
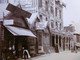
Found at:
[55, 39]
[60, 41]
[64, 43]
[69, 43]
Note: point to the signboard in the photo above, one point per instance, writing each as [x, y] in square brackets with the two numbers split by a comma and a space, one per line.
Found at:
[39, 25]
[9, 22]
[18, 11]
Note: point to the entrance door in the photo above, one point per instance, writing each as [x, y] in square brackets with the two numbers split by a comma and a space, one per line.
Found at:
[56, 46]
[20, 44]
[53, 41]
[60, 41]
[69, 43]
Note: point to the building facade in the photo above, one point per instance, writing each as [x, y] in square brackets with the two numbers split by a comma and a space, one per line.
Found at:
[47, 26]
[52, 11]
[70, 31]
[76, 41]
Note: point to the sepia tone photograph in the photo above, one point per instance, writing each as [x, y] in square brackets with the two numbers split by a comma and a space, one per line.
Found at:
[39, 30]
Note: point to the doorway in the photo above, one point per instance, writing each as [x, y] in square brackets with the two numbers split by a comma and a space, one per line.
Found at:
[53, 41]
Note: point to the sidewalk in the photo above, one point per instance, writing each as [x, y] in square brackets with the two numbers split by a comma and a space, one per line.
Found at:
[65, 55]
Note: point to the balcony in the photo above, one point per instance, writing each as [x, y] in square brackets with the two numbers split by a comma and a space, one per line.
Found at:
[56, 30]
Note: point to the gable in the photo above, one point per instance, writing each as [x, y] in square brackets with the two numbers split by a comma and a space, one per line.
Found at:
[18, 12]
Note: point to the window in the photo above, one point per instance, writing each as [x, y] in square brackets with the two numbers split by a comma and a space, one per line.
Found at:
[41, 17]
[56, 24]
[40, 3]
[52, 24]
[51, 9]
[56, 11]
[46, 5]
[60, 13]
[60, 26]
[46, 19]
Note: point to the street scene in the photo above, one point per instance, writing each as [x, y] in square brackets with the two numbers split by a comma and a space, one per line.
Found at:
[39, 30]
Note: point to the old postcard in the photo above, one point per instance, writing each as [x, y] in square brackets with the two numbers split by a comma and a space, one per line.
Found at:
[39, 30]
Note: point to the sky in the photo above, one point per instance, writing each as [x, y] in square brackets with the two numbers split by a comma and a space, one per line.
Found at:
[71, 13]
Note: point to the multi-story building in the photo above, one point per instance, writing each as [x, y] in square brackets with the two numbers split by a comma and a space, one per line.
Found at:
[52, 11]
[76, 41]
[70, 32]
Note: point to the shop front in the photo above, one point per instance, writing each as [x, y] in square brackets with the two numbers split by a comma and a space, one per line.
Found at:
[16, 41]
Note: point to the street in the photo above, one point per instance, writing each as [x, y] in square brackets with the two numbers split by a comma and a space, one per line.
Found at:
[66, 55]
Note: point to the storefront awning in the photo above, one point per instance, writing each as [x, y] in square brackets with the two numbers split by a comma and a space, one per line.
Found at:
[17, 31]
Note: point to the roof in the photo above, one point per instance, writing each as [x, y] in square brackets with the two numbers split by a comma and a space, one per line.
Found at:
[33, 18]
[17, 31]
[3, 9]
[18, 11]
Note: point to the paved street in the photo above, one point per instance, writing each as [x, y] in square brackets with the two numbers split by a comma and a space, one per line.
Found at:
[67, 55]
